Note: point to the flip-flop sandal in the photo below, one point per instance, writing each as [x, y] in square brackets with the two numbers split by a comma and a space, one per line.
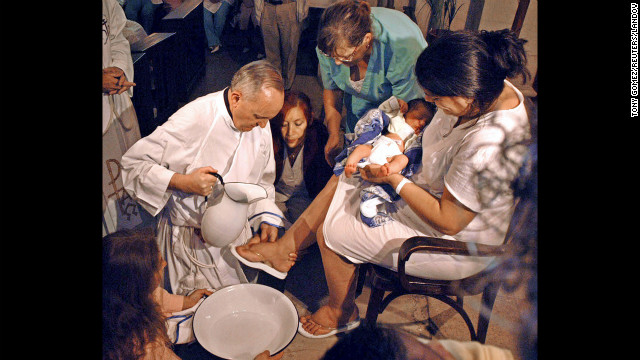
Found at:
[346, 327]
[259, 265]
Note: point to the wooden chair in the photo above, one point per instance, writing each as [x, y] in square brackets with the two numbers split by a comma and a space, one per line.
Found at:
[399, 283]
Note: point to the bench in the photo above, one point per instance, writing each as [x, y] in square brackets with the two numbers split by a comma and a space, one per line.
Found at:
[160, 58]
[187, 22]
[142, 96]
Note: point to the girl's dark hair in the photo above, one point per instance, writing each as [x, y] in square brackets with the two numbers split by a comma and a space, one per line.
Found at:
[130, 316]
[344, 22]
[472, 65]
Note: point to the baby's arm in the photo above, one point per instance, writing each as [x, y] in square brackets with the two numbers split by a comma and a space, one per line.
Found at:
[360, 152]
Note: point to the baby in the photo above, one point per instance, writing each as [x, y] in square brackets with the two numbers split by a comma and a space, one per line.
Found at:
[387, 151]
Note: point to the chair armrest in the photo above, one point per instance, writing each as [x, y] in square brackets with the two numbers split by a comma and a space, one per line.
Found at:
[446, 246]
[443, 246]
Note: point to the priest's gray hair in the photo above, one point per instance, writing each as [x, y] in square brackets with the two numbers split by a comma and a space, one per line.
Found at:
[256, 76]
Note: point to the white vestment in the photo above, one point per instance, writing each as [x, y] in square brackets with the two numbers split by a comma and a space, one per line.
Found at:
[200, 134]
[120, 127]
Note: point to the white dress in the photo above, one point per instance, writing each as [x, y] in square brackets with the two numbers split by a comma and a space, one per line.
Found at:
[200, 134]
[476, 162]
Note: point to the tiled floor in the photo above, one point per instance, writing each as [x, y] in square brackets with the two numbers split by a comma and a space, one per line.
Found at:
[411, 313]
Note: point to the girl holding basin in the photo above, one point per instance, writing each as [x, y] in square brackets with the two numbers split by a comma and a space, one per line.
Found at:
[134, 306]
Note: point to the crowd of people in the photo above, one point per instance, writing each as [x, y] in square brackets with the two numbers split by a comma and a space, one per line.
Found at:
[437, 129]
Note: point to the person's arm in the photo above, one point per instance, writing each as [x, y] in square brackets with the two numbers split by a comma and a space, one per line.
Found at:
[332, 101]
[446, 214]
[150, 165]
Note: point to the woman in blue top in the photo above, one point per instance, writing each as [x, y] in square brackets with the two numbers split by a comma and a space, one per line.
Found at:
[365, 55]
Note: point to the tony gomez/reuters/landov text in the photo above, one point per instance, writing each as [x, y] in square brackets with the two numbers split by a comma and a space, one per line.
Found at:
[634, 60]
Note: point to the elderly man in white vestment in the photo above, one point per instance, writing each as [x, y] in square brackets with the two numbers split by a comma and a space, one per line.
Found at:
[170, 174]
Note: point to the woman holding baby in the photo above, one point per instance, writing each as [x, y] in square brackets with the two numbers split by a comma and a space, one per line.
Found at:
[471, 152]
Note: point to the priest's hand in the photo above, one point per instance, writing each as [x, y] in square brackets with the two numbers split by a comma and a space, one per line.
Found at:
[200, 181]
[268, 233]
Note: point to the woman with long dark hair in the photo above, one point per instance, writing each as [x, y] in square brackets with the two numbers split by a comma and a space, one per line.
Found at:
[471, 152]
[134, 306]
[132, 323]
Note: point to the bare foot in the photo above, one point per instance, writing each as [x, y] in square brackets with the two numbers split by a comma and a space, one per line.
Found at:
[384, 170]
[325, 319]
[269, 253]
[349, 169]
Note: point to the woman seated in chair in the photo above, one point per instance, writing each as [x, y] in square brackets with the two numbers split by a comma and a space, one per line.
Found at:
[472, 151]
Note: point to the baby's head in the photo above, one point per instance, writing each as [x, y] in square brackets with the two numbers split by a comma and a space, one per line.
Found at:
[419, 114]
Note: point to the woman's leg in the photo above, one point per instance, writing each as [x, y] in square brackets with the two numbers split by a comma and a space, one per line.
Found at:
[341, 276]
[300, 235]
[147, 15]
[208, 27]
[219, 20]
[131, 9]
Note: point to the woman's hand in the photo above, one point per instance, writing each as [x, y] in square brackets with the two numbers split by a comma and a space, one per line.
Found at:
[445, 214]
[404, 107]
[332, 148]
[372, 174]
[199, 181]
[193, 298]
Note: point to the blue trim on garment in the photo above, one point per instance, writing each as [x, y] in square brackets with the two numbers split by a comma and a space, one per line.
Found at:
[186, 317]
[266, 212]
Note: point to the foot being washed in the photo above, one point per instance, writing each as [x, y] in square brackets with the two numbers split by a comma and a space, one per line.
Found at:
[268, 253]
